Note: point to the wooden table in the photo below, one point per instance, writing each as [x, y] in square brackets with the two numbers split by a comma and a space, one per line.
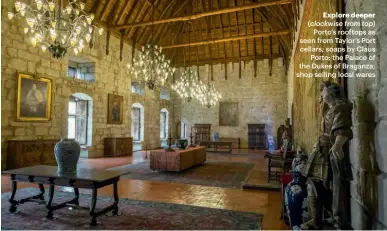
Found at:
[216, 144]
[83, 178]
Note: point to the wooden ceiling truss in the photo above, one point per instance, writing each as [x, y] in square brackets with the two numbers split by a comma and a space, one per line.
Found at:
[202, 32]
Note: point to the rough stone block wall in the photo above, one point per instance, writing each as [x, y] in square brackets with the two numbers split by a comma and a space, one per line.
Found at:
[260, 100]
[111, 76]
[306, 91]
[368, 148]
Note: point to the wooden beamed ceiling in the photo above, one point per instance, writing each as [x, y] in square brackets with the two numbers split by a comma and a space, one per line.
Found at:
[198, 32]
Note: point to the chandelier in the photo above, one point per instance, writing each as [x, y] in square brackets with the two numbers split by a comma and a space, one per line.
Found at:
[56, 26]
[188, 85]
[209, 96]
[151, 66]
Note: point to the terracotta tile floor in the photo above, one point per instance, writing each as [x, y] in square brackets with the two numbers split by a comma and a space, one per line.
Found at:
[266, 202]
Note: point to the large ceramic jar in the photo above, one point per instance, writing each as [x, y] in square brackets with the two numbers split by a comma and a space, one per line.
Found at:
[295, 193]
[215, 136]
[67, 153]
[181, 143]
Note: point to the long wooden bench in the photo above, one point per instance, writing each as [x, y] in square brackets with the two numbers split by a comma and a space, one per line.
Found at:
[236, 142]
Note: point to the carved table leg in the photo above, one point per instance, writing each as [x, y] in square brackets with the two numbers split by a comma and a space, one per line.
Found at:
[11, 200]
[92, 207]
[48, 205]
[76, 198]
[115, 204]
[41, 194]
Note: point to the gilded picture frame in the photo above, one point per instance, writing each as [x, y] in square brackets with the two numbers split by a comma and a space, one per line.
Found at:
[115, 109]
[228, 114]
[33, 100]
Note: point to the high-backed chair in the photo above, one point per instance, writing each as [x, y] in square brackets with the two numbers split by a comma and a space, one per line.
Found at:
[278, 162]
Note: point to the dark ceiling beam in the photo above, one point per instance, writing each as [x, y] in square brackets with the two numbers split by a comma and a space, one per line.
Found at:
[228, 60]
[209, 13]
[235, 38]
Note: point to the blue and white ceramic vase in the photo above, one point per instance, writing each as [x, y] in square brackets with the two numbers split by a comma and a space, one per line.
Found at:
[296, 192]
[181, 143]
[215, 136]
[67, 153]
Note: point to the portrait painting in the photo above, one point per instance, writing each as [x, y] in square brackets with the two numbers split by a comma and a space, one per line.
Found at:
[228, 114]
[115, 110]
[33, 98]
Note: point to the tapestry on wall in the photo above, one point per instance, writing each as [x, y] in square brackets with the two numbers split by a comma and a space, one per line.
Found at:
[115, 110]
[33, 98]
[228, 114]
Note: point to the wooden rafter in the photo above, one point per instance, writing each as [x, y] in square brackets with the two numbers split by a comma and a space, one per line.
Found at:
[236, 38]
[209, 13]
[228, 60]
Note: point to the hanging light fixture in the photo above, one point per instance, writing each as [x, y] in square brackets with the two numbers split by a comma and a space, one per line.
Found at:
[188, 86]
[209, 96]
[151, 66]
[55, 27]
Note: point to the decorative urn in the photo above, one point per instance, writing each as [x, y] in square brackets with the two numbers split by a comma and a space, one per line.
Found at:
[295, 192]
[181, 143]
[215, 136]
[67, 153]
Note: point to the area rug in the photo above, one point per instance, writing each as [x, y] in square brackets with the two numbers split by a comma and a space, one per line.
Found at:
[225, 174]
[257, 179]
[134, 214]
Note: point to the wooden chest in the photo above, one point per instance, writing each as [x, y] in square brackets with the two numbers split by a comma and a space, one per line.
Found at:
[25, 153]
[118, 146]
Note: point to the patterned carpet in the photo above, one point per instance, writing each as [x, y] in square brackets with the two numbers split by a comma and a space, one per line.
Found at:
[212, 173]
[135, 214]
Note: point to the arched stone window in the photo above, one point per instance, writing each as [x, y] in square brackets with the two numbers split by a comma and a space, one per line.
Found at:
[164, 125]
[80, 120]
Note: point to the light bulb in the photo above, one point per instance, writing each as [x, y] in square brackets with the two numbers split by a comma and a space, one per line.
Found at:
[77, 12]
[51, 5]
[100, 31]
[63, 41]
[44, 48]
[53, 37]
[82, 5]
[89, 20]
[64, 23]
[25, 30]
[73, 41]
[33, 41]
[10, 15]
[17, 6]
[76, 51]
[68, 9]
[30, 22]
[90, 29]
[53, 23]
[39, 16]
[39, 4]
[88, 37]
[22, 12]
[92, 16]
[78, 29]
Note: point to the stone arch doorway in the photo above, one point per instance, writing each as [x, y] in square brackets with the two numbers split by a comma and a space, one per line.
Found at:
[137, 128]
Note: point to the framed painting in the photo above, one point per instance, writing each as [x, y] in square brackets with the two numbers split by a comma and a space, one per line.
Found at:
[33, 98]
[115, 109]
[228, 114]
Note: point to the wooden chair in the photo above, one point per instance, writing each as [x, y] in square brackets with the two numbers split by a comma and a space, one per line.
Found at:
[278, 161]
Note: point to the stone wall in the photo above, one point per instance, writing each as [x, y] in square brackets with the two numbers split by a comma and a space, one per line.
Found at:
[306, 91]
[260, 100]
[111, 76]
[369, 146]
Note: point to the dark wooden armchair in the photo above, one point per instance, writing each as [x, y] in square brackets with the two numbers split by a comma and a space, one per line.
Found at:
[280, 162]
